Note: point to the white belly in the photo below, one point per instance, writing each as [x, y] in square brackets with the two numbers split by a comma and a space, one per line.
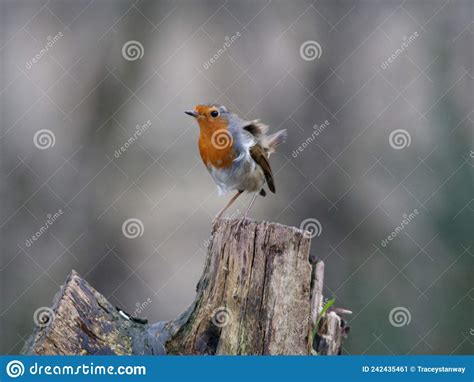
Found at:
[244, 174]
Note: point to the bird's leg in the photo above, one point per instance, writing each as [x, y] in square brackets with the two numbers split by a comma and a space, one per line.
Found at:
[241, 222]
[250, 205]
[221, 212]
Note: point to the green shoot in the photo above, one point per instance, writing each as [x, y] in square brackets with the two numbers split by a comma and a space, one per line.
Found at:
[326, 306]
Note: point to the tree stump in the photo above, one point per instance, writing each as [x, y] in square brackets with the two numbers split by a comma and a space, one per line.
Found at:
[258, 294]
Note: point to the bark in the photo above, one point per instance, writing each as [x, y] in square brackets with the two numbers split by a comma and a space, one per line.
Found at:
[258, 294]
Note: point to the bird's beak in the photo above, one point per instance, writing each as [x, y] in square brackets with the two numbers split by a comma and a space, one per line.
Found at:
[192, 113]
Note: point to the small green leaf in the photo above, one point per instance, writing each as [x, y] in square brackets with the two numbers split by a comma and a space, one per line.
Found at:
[326, 306]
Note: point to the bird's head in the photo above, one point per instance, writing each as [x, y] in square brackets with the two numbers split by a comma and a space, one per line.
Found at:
[210, 117]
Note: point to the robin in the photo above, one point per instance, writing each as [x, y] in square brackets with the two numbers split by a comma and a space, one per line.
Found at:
[235, 152]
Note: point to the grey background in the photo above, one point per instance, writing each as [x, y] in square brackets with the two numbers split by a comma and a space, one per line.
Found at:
[349, 178]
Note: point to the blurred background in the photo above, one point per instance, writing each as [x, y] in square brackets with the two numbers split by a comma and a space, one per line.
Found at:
[377, 97]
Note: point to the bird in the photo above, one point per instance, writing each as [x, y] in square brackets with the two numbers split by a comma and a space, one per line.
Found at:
[235, 152]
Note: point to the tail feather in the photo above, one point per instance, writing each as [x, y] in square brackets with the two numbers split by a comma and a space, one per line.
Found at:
[256, 128]
[272, 141]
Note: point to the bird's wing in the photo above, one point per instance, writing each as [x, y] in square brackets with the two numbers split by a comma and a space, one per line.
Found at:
[256, 128]
[258, 154]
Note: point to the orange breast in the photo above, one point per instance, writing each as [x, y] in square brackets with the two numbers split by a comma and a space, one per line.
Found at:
[215, 143]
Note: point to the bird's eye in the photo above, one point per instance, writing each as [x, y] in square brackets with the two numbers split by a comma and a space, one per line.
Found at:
[214, 113]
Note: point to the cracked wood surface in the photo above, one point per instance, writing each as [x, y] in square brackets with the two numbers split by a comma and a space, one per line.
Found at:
[82, 321]
[258, 294]
[254, 295]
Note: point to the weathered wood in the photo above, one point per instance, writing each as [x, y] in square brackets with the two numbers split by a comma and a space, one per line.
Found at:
[331, 327]
[317, 290]
[82, 321]
[331, 333]
[253, 295]
[258, 294]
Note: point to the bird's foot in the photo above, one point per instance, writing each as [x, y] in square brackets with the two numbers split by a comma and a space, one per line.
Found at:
[215, 221]
[241, 222]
